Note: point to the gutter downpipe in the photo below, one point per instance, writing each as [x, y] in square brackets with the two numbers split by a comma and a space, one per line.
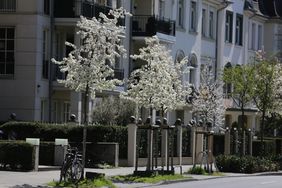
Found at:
[51, 64]
[226, 3]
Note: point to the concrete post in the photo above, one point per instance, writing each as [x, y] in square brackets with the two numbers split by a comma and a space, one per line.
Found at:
[250, 142]
[193, 145]
[236, 141]
[244, 143]
[61, 146]
[35, 142]
[179, 143]
[131, 149]
[227, 142]
[210, 152]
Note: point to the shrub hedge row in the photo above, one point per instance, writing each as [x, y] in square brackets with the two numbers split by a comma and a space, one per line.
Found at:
[48, 132]
[245, 164]
[16, 155]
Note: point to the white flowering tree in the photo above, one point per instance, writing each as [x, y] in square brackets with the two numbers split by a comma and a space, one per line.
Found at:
[89, 67]
[208, 102]
[157, 85]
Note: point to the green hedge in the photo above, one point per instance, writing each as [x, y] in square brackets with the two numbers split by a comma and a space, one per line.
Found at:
[245, 164]
[46, 153]
[48, 132]
[15, 155]
[269, 146]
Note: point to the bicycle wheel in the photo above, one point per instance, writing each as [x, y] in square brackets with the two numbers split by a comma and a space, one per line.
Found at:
[68, 173]
[76, 171]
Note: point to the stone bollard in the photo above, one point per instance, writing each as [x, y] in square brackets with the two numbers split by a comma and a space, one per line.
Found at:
[61, 146]
[132, 138]
[35, 142]
[227, 142]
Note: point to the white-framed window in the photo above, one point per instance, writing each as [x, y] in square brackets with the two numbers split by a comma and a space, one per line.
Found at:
[211, 24]
[239, 29]
[46, 7]
[193, 70]
[161, 8]
[229, 26]
[259, 37]
[55, 112]
[204, 18]
[66, 111]
[180, 15]
[253, 33]
[45, 54]
[43, 110]
[8, 5]
[193, 16]
[227, 87]
[7, 51]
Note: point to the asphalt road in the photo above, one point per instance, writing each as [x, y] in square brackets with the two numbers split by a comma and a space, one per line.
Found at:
[231, 182]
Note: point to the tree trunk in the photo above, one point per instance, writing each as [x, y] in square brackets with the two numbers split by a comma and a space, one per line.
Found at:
[262, 134]
[241, 130]
[84, 130]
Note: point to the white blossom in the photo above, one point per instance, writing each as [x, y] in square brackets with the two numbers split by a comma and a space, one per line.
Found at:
[89, 67]
[157, 84]
[208, 101]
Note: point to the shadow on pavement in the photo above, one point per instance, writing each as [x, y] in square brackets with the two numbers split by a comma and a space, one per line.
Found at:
[27, 186]
[48, 168]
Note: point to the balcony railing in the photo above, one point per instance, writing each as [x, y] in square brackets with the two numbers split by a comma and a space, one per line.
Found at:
[76, 8]
[144, 25]
[8, 5]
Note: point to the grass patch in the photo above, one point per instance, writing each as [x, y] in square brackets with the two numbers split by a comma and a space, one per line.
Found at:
[200, 171]
[150, 179]
[100, 182]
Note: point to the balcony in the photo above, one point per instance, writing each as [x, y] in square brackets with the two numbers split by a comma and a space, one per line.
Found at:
[145, 25]
[76, 8]
[8, 5]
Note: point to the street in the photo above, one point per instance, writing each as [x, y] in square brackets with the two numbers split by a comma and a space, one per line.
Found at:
[231, 182]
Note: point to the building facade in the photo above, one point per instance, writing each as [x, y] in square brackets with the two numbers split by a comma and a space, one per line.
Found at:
[224, 32]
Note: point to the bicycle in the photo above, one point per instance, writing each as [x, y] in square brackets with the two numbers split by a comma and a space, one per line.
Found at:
[208, 160]
[71, 170]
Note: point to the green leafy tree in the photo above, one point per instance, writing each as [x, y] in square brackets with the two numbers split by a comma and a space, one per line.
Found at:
[267, 88]
[242, 78]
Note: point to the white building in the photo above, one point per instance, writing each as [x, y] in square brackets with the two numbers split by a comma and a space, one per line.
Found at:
[32, 31]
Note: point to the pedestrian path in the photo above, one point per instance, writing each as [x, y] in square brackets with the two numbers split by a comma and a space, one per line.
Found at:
[9, 179]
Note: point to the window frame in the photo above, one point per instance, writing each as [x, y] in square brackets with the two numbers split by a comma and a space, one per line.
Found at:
[239, 29]
[193, 17]
[260, 34]
[229, 27]
[180, 13]
[45, 54]
[46, 7]
[253, 36]
[211, 24]
[8, 40]
[204, 24]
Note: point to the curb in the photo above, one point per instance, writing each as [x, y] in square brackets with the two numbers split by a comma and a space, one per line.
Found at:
[211, 178]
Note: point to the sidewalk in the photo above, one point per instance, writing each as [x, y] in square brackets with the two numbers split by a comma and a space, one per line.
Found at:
[46, 174]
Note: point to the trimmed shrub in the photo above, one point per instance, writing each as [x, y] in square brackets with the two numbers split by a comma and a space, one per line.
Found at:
[48, 132]
[197, 170]
[15, 155]
[245, 164]
[269, 147]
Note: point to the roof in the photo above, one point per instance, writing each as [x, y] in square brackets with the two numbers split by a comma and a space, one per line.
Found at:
[267, 8]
